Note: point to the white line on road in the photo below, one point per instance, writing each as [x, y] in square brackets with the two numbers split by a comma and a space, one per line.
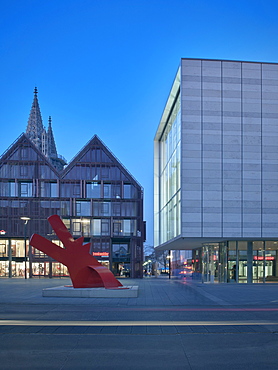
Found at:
[131, 323]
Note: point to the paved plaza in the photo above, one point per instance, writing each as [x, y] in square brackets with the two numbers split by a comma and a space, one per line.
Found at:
[173, 324]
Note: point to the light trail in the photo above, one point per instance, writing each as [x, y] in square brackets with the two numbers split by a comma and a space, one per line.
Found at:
[133, 323]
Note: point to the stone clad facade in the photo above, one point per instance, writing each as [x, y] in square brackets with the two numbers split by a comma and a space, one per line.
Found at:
[216, 157]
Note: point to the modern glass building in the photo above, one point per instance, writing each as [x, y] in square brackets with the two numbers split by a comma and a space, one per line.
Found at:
[94, 194]
[216, 171]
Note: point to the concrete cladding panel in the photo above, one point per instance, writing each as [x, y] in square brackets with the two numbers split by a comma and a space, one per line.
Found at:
[269, 149]
[229, 148]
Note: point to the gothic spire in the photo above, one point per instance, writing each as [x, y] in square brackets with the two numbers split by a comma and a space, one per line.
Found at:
[44, 140]
[35, 129]
[52, 151]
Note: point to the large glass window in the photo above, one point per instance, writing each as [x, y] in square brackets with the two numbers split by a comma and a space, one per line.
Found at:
[246, 262]
[12, 189]
[3, 248]
[85, 227]
[76, 190]
[25, 189]
[105, 227]
[96, 227]
[8, 189]
[117, 228]
[81, 227]
[65, 208]
[93, 189]
[20, 248]
[129, 191]
[58, 269]
[70, 190]
[17, 248]
[107, 190]
[49, 189]
[4, 207]
[129, 209]
[5, 189]
[169, 177]
[116, 209]
[105, 209]
[97, 208]
[76, 227]
[4, 268]
[129, 227]
[53, 189]
[120, 251]
[116, 191]
[83, 208]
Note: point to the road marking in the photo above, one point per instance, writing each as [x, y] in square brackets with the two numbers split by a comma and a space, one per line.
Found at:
[131, 323]
[182, 309]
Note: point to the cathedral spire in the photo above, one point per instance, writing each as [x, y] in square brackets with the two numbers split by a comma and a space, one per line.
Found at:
[44, 140]
[35, 129]
[52, 151]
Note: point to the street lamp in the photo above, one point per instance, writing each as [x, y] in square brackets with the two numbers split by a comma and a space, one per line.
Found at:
[26, 219]
[150, 267]
[169, 261]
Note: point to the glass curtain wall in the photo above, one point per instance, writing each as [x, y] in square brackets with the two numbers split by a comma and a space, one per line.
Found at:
[169, 179]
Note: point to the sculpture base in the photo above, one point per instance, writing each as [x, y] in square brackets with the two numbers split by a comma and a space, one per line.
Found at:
[70, 292]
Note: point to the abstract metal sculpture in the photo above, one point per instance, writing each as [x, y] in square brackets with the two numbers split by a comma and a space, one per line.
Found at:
[85, 271]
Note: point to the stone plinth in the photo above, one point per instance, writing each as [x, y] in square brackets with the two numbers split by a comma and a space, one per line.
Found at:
[70, 292]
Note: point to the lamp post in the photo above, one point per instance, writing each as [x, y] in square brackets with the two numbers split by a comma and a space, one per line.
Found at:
[26, 219]
[150, 267]
[169, 260]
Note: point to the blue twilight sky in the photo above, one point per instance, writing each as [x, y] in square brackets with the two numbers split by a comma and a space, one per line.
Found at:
[105, 67]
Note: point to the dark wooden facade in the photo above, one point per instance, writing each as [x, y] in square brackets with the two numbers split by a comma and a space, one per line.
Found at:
[95, 196]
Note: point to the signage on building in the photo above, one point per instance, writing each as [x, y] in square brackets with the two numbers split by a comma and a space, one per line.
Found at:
[261, 258]
[2, 232]
[100, 254]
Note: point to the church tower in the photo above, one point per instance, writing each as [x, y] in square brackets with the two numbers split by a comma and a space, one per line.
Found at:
[35, 130]
[44, 140]
[51, 146]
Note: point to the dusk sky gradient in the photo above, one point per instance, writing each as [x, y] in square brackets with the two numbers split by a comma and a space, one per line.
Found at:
[106, 67]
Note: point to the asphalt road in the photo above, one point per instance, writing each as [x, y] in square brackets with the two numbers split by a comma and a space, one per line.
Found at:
[172, 324]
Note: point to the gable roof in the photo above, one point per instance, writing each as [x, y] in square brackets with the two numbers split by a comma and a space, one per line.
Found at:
[94, 142]
[17, 143]
[109, 158]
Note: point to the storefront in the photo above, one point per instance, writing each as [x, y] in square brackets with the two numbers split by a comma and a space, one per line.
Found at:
[228, 262]
[121, 258]
[18, 261]
[13, 259]
[239, 262]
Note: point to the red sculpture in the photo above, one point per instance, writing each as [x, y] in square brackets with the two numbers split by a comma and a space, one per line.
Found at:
[85, 271]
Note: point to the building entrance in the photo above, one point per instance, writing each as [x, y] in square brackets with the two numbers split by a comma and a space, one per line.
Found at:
[240, 262]
[214, 263]
[121, 259]
[121, 269]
